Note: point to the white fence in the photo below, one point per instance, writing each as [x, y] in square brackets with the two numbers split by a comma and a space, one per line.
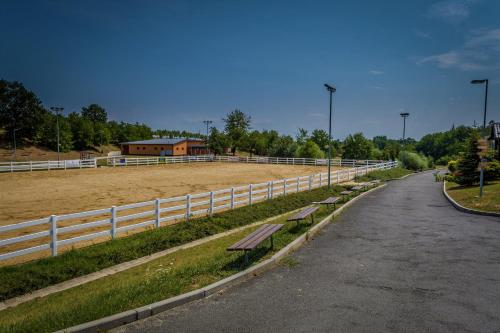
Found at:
[154, 160]
[47, 165]
[50, 233]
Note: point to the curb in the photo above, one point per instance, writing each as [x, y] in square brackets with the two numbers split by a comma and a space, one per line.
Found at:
[146, 311]
[465, 209]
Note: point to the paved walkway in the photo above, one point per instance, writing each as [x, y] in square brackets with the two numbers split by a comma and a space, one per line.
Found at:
[402, 259]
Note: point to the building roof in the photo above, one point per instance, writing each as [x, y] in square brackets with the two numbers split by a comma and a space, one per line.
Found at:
[495, 131]
[162, 141]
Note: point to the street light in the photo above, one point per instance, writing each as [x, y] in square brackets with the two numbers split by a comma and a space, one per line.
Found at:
[485, 97]
[404, 115]
[331, 90]
[15, 156]
[207, 122]
[57, 109]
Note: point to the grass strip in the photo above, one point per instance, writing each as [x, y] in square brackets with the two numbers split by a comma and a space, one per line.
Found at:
[20, 279]
[168, 276]
[468, 196]
[384, 174]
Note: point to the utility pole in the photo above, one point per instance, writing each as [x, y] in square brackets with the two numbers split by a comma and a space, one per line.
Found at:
[57, 110]
[208, 123]
[404, 115]
[485, 97]
[331, 90]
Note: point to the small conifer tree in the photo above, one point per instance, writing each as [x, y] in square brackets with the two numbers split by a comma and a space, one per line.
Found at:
[467, 166]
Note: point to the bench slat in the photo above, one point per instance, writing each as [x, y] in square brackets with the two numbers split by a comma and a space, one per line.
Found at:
[303, 214]
[255, 238]
[346, 192]
[330, 200]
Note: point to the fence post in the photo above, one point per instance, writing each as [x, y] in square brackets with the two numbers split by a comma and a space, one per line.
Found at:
[310, 183]
[113, 222]
[188, 207]
[269, 190]
[64, 164]
[298, 184]
[211, 208]
[338, 180]
[157, 213]
[272, 189]
[48, 165]
[250, 187]
[31, 165]
[232, 197]
[53, 234]
[284, 187]
[320, 179]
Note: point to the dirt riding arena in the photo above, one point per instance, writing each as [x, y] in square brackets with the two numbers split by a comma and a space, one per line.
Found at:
[32, 195]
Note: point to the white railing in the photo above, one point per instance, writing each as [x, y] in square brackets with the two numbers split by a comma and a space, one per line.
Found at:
[61, 230]
[155, 160]
[47, 165]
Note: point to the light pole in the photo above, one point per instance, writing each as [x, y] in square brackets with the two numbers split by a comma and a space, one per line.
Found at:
[15, 146]
[331, 90]
[208, 123]
[404, 115]
[485, 97]
[57, 109]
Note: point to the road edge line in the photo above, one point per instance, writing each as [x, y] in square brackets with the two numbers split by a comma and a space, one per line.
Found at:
[465, 209]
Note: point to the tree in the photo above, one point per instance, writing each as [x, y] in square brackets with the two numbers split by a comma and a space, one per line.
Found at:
[82, 129]
[236, 126]
[302, 136]
[320, 137]
[467, 166]
[357, 147]
[284, 146]
[256, 143]
[217, 141]
[47, 133]
[95, 113]
[20, 109]
[309, 150]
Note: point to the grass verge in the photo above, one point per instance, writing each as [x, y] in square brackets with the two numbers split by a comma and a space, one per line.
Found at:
[168, 276]
[21, 279]
[384, 174]
[469, 196]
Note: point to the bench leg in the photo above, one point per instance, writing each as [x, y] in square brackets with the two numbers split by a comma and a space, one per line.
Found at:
[312, 219]
[246, 257]
[272, 242]
[298, 221]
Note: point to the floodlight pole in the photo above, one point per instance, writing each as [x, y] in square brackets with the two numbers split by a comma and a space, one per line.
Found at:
[404, 115]
[485, 97]
[331, 90]
[57, 110]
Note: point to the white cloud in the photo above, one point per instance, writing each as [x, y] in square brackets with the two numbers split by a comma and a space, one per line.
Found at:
[421, 34]
[480, 51]
[375, 72]
[452, 11]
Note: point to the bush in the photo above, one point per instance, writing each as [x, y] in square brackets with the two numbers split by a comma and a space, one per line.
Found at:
[467, 166]
[492, 171]
[452, 166]
[413, 161]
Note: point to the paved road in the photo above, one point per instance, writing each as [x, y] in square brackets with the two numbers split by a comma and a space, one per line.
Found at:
[401, 259]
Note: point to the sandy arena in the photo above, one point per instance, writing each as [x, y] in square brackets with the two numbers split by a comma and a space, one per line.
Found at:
[31, 195]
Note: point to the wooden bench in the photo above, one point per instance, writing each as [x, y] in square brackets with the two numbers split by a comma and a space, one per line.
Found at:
[345, 194]
[251, 241]
[329, 201]
[303, 214]
[375, 181]
[358, 188]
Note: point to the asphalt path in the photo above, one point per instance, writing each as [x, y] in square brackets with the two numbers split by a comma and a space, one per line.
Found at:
[401, 259]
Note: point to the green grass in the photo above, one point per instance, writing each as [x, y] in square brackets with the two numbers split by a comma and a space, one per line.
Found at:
[21, 279]
[385, 174]
[469, 196]
[171, 275]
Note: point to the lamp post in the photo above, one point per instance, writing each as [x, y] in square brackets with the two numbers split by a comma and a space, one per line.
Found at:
[15, 146]
[331, 90]
[208, 123]
[57, 110]
[485, 97]
[404, 115]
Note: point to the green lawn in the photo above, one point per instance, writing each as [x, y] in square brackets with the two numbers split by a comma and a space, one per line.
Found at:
[385, 174]
[171, 275]
[469, 196]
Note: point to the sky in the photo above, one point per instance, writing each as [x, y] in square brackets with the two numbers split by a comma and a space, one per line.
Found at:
[173, 64]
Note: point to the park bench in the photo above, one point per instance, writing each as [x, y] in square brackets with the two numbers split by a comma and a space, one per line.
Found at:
[358, 188]
[303, 214]
[345, 194]
[253, 240]
[375, 181]
[329, 201]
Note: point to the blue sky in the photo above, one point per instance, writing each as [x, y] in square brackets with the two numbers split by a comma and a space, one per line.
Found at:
[172, 64]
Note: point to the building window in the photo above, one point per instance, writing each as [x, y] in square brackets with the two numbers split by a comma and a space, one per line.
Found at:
[156, 148]
[143, 148]
[177, 148]
[138, 148]
[162, 148]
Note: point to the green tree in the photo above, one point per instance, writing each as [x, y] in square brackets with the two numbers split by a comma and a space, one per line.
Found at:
[302, 136]
[284, 146]
[47, 134]
[95, 113]
[217, 141]
[467, 166]
[236, 127]
[20, 109]
[309, 150]
[83, 131]
[320, 137]
[357, 147]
